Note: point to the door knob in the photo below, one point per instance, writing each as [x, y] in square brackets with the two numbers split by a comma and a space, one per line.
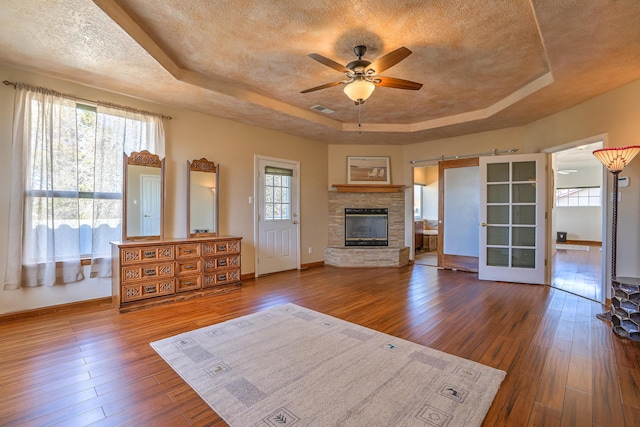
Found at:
[295, 222]
[484, 224]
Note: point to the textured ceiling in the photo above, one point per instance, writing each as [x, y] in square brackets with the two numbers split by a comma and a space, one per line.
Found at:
[484, 64]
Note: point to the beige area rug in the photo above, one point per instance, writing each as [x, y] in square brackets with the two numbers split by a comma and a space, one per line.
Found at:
[292, 366]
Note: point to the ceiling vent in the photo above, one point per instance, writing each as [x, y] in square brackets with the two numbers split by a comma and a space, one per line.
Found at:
[322, 109]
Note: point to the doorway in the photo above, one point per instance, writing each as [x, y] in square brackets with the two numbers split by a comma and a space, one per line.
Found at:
[578, 220]
[425, 214]
[277, 215]
[516, 243]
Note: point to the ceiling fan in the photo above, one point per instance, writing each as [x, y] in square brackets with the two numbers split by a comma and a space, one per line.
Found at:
[362, 75]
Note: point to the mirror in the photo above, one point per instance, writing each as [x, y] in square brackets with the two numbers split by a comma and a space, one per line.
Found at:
[143, 197]
[202, 198]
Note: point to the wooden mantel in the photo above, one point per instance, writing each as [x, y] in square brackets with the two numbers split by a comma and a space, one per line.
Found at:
[368, 188]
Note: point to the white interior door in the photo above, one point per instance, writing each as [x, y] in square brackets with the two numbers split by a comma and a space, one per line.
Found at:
[150, 204]
[512, 218]
[277, 218]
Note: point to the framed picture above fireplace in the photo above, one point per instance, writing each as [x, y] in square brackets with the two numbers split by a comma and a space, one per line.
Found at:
[368, 170]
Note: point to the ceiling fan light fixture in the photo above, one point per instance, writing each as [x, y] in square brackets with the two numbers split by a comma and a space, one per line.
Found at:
[359, 90]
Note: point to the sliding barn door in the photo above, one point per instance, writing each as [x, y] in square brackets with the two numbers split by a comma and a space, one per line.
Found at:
[458, 207]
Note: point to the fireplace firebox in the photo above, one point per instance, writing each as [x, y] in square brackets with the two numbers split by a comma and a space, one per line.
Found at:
[366, 227]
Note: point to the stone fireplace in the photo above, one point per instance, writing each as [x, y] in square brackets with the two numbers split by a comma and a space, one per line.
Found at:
[377, 199]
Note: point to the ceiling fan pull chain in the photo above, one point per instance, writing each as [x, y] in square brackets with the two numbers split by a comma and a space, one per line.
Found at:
[359, 121]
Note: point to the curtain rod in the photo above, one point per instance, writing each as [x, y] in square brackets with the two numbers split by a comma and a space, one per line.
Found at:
[8, 83]
[493, 152]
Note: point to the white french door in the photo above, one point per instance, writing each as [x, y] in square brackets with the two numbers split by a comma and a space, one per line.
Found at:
[277, 215]
[512, 218]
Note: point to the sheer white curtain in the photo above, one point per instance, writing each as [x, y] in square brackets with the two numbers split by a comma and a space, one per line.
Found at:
[118, 130]
[66, 184]
[133, 130]
[41, 123]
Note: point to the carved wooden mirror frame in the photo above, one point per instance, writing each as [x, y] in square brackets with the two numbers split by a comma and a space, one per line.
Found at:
[144, 159]
[204, 165]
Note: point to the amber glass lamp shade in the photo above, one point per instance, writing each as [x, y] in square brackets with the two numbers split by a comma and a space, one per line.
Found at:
[615, 159]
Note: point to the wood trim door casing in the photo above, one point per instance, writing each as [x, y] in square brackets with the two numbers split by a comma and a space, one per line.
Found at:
[452, 261]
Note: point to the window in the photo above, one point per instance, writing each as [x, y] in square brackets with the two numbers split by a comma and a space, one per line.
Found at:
[579, 196]
[61, 190]
[66, 180]
[277, 193]
[417, 201]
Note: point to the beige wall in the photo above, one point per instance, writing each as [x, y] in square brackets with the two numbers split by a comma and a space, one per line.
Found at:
[338, 172]
[193, 135]
[504, 139]
[190, 135]
[616, 114]
[338, 160]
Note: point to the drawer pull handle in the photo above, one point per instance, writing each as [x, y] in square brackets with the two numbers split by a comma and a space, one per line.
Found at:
[222, 262]
[222, 247]
[189, 251]
[189, 267]
[149, 254]
[150, 271]
[222, 277]
[189, 283]
[149, 289]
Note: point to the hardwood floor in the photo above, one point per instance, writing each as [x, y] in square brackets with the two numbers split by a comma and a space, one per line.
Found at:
[579, 271]
[95, 367]
[426, 258]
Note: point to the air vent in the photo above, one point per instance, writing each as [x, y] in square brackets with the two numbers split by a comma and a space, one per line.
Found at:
[322, 109]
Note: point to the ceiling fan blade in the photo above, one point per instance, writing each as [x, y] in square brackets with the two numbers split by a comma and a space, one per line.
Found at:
[389, 60]
[328, 62]
[313, 89]
[398, 83]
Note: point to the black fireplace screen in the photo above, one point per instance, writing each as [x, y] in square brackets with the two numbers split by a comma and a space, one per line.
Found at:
[366, 227]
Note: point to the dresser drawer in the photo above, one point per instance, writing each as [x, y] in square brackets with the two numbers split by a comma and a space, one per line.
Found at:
[148, 289]
[188, 250]
[212, 264]
[188, 283]
[221, 247]
[146, 254]
[220, 278]
[132, 273]
[188, 266]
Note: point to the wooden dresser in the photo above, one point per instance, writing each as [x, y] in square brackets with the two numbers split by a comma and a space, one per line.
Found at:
[160, 271]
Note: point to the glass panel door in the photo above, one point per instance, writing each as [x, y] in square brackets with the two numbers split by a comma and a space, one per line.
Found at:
[512, 204]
